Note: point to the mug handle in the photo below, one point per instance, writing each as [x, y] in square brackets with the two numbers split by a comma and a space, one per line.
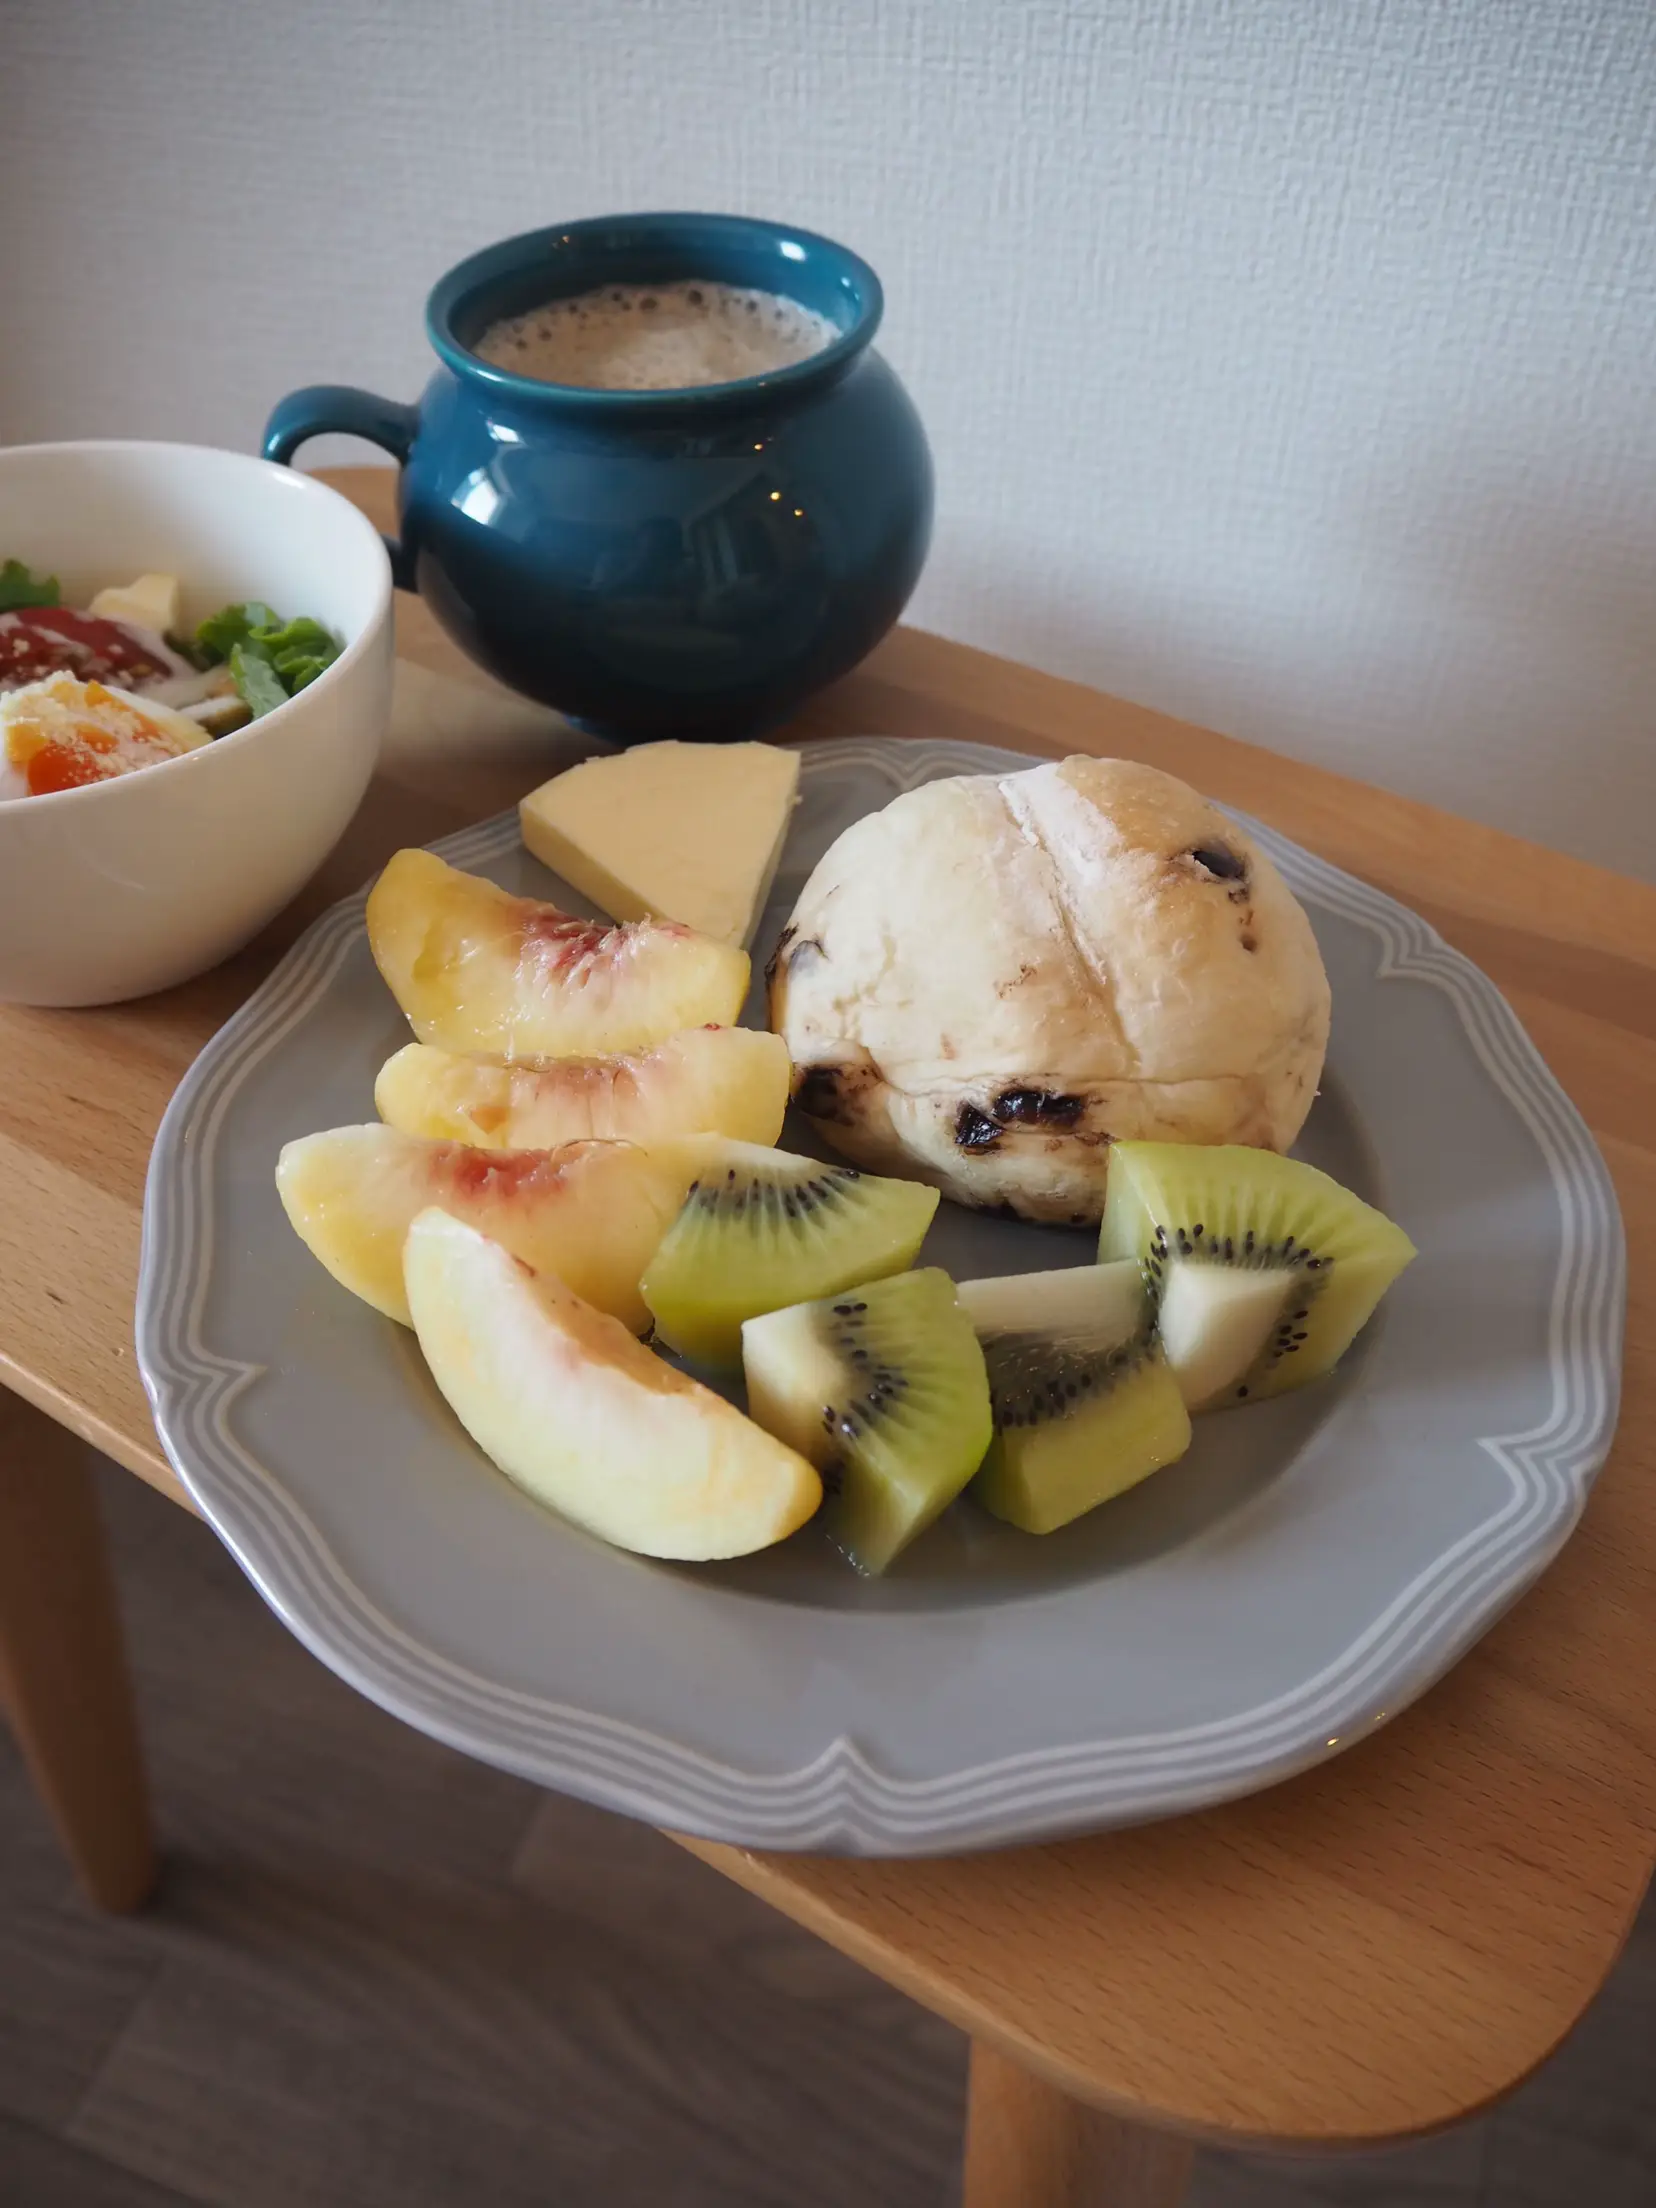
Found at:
[339, 409]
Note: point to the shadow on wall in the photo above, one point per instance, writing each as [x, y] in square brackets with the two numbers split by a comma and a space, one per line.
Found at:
[1506, 605]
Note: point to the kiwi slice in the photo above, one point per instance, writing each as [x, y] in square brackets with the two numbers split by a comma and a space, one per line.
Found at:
[1084, 1404]
[884, 1390]
[1261, 1270]
[761, 1229]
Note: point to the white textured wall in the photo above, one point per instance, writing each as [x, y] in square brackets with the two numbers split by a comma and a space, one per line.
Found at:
[1291, 364]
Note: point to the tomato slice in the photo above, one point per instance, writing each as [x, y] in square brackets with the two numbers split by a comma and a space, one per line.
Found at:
[36, 641]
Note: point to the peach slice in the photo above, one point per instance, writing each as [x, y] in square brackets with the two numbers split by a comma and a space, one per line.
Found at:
[709, 1080]
[489, 975]
[582, 1417]
[593, 1213]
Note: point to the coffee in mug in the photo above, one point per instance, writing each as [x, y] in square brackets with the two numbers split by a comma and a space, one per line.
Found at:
[656, 337]
[689, 562]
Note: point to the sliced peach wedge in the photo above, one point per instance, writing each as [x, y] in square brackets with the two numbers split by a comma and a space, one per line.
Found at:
[593, 1213]
[709, 1080]
[582, 1417]
[490, 975]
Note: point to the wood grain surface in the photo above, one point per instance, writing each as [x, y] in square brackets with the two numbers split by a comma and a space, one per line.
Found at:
[1028, 2145]
[380, 1975]
[1367, 1952]
[63, 1675]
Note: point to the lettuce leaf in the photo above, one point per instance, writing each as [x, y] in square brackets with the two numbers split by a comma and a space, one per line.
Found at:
[299, 651]
[189, 648]
[233, 625]
[271, 660]
[19, 588]
[256, 679]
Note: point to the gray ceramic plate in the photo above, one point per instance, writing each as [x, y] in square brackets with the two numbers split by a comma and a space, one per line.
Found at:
[1308, 1569]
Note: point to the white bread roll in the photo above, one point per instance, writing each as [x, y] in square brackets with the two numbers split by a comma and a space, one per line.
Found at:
[987, 982]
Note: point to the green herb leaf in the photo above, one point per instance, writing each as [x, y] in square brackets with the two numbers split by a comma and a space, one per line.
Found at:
[199, 657]
[233, 625]
[19, 588]
[296, 669]
[256, 679]
[295, 652]
[299, 652]
[301, 635]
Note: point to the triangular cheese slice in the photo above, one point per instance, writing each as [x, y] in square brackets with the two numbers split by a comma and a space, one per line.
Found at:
[689, 832]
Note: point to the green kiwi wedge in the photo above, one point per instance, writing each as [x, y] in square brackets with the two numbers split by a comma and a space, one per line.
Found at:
[761, 1229]
[884, 1390]
[1261, 1270]
[1083, 1402]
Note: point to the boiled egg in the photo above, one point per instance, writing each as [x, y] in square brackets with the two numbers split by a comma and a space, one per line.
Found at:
[62, 733]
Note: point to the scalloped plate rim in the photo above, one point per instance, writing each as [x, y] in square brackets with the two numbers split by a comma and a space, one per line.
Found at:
[839, 1799]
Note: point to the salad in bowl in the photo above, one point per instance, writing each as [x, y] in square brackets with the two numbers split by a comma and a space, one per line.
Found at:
[90, 692]
[195, 678]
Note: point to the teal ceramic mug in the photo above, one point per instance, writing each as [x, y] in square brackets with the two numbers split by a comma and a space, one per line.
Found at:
[691, 562]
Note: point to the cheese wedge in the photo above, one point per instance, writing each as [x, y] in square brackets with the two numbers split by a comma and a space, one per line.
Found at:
[151, 602]
[688, 832]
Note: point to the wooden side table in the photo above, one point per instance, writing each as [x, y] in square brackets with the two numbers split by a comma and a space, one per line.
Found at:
[1368, 1952]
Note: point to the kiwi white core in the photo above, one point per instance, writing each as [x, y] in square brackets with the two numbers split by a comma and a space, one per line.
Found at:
[1085, 1306]
[1215, 1323]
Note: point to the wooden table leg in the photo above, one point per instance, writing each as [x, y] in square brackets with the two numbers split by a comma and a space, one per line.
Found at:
[63, 1675]
[1030, 2146]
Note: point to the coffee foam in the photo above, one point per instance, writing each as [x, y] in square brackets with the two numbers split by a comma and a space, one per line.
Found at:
[656, 337]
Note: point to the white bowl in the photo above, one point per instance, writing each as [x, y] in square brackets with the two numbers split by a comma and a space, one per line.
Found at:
[130, 885]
